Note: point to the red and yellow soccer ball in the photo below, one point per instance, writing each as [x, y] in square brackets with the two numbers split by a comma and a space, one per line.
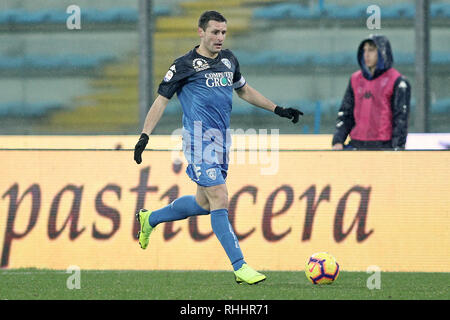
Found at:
[322, 268]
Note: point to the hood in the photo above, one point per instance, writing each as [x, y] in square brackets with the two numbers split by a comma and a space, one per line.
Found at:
[385, 58]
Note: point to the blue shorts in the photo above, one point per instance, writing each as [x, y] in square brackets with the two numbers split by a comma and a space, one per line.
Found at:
[207, 175]
[207, 159]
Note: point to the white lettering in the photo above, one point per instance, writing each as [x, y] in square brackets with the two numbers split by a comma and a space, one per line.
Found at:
[374, 281]
[74, 281]
[74, 20]
[373, 21]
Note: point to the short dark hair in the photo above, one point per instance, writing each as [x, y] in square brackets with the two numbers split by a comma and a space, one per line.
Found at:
[210, 15]
[371, 43]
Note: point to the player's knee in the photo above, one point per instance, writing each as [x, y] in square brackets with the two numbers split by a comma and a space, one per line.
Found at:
[218, 198]
[219, 201]
[222, 202]
[202, 202]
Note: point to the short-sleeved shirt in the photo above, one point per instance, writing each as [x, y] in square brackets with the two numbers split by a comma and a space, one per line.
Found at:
[204, 87]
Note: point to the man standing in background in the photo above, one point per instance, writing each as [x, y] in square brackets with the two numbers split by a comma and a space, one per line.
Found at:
[375, 107]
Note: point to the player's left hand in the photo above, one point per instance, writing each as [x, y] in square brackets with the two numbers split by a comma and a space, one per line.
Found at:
[289, 113]
[140, 147]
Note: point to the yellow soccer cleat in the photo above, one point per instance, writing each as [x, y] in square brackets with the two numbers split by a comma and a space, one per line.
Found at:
[146, 228]
[247, 275]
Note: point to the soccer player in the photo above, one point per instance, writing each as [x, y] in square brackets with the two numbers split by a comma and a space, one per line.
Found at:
[374, 111]
[204, 80]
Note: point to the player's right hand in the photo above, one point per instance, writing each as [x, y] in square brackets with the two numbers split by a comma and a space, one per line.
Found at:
[140, 147]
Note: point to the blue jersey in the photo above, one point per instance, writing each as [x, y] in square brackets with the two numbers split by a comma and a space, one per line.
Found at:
[204, 87]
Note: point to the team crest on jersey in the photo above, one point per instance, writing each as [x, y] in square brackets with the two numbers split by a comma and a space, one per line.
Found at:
[226, 62]
[200, 64]
[211, 173]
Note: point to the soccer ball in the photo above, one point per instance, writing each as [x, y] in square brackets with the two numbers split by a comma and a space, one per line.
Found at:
[322, 268]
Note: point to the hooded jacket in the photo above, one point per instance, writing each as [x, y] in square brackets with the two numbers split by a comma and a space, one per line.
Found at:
[375, 108]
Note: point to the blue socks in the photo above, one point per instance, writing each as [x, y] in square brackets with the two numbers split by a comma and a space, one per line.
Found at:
[179, 209]
[224, 232]
[187, 206]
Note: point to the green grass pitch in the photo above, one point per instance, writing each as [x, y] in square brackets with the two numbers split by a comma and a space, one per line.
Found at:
[42, 284]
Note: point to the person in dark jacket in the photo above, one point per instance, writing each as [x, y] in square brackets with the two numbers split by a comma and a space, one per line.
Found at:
[375, 107]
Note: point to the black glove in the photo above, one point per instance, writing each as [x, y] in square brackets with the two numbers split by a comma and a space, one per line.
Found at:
[289, 113]
[139, 148]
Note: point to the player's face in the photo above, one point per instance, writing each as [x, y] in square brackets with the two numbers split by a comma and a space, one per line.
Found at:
[213, 37]
[370, 55]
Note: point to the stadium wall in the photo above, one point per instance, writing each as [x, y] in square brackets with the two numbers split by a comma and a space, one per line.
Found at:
[72, 207]
[246, 139]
